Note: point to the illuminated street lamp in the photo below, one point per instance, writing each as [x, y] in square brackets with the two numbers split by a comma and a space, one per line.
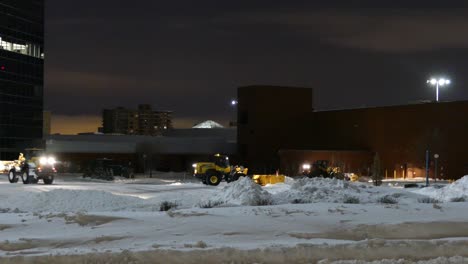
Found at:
[437, 83]
[233, 102]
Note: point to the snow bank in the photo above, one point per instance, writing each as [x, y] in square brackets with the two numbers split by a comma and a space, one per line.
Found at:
[456, 190]
[309, 190]
[243, 192]
[315, 190]
[62, 200]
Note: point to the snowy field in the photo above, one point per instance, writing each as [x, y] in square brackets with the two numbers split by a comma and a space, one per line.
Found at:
[300, 221]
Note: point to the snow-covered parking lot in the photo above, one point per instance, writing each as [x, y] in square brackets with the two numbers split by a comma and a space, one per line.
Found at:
[300, 221]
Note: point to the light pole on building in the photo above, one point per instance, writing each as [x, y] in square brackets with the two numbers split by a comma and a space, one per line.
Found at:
[440, 82]
[234, 104]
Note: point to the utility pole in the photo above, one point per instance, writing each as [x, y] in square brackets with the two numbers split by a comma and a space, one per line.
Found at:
[436, 157]
[427, 168]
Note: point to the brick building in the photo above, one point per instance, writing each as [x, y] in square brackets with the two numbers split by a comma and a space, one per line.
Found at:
[399, 134]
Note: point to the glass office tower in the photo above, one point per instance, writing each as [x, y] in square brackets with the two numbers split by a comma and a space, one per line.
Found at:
[21, 75]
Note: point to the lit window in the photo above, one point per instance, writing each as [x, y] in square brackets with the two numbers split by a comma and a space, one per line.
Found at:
[25, 49]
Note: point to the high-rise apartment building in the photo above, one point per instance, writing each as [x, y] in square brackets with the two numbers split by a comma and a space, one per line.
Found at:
[144, 121]
[21, 75]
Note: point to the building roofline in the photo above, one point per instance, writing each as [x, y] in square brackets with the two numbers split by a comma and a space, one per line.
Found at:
[263, 86]
[394, 106]
[321, 150]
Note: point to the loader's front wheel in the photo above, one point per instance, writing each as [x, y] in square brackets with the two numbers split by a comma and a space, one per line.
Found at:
[25, 177]
[48, 180]
[213, 179]
[12, 177]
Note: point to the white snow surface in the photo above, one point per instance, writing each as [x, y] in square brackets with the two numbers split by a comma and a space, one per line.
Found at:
[312, 212]
[456, 190]
[63, 200]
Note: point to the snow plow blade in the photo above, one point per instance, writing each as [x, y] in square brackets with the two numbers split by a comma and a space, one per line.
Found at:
[268, 179]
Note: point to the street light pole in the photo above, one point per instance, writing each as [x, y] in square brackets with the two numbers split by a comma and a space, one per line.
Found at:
[437, 83]
[234, 104]
[427, 168]
[436, 157]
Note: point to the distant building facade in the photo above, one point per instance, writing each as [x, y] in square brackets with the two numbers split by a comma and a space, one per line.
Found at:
[267, 125]
[284, 131]
[46, 123]
[175, 150]
[143, 121]
[21, 75]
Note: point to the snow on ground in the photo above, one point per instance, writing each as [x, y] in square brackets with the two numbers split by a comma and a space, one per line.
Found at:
[457, 191]
[297, 221]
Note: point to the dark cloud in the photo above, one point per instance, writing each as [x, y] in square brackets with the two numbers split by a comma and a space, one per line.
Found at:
[381, 30]
[189, 56]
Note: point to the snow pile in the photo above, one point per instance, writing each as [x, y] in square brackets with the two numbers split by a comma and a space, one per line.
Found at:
[62, 200]
[455, 191]
[243, 192]
[315, 190]
[208, 124]
[309, 190]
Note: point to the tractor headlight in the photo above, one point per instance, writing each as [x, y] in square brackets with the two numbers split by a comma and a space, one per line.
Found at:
[51, 160]
[194, 165]
[306, 166]
[43, 160]
[47, 160]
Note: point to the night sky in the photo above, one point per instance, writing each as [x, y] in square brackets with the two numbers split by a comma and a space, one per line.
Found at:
[189, 56]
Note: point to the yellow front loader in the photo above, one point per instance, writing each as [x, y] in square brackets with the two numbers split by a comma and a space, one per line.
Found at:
[213, 172]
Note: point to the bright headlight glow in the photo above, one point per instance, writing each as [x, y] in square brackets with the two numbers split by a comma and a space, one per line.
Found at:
[51, 160]
[43, 160]
[194, 165]
[306, 166]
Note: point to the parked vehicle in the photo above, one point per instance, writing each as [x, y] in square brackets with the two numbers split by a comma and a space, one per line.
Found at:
[107, 169]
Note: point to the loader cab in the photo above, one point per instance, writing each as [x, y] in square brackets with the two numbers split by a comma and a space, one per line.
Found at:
[221, 161]
[39, 157]
[33, 153]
